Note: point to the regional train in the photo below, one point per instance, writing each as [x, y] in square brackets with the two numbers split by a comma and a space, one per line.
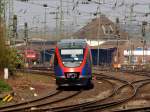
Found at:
[73, 63]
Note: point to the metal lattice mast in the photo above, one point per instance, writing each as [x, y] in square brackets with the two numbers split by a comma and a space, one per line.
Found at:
[10, 20]
[45, 22]
[2, 9]
[26, 34]
[118, 37]
[3, 4]
[57, 11]
[98, 32]
[61, 18]
[130, 42]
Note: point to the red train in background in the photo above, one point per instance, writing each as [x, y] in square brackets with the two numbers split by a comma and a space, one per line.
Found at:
[31, 55]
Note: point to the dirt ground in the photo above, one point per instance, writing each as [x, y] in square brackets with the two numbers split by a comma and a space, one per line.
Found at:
[26, 86]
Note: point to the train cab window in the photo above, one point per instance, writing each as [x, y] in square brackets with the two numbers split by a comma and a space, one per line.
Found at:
[72, 57]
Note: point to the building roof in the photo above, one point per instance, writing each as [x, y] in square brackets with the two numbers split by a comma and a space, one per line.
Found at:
[100, 28]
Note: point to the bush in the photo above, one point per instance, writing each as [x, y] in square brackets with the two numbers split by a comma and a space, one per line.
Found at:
[8, 56]
[4, 87]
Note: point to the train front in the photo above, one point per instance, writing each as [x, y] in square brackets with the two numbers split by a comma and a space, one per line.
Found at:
[72, 64]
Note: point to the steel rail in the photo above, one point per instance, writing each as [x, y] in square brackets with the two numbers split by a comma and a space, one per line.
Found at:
[87, 104]
[51, 94]
[120, 101]
[28, 106]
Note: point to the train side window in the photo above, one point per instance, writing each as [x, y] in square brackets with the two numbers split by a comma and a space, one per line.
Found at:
[89, 56]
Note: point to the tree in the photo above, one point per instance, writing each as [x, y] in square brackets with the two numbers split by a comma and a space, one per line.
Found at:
[8, 55]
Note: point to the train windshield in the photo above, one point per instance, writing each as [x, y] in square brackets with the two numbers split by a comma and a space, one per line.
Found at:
[71, 57]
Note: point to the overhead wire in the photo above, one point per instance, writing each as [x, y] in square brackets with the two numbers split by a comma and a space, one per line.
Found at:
[114, 4]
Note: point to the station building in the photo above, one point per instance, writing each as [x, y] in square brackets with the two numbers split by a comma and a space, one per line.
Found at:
[106, 39]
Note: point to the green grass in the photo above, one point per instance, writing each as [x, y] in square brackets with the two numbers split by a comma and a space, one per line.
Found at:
[4, 87]
[1, 103]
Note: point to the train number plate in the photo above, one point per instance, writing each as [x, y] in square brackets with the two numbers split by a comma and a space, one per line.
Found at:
[71, 75]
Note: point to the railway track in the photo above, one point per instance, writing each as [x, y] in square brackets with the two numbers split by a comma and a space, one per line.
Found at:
[143, 109]
[140, 73]
[31, 101]
[91, 105]
[100, 106]
[38, 70]
[30, 104]
[139, 85]
[58, 96]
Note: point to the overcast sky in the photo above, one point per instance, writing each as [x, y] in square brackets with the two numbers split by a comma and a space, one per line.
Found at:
[77, 14]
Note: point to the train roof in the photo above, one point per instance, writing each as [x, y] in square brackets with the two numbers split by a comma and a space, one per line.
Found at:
[72, 43]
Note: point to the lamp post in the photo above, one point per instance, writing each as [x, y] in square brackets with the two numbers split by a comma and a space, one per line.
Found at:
[26, 40]
[144, 23]
[45, 16]
[118, 36]
[98, 33]
[14, 28]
